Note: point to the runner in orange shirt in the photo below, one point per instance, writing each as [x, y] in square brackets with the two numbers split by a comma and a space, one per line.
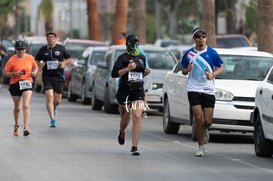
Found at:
[21, 67]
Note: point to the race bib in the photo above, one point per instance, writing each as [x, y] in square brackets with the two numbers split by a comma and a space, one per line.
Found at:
[52, 64]
[25, 84]
[135, 76]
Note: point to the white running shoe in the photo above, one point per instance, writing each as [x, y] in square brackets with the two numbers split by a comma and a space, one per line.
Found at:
[200, 152]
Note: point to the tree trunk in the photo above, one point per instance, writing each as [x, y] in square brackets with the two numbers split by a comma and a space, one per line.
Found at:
[265, 27]
[93, 20]
[208, 20]
[139, 26]
[49, 24]
[171, 9]
[231, 17]
[120, 22]
[158, 19]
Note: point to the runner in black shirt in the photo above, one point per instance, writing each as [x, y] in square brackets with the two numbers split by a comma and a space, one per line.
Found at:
[52, 59]
[131, 68]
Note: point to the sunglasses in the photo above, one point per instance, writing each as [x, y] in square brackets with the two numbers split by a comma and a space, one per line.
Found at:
[20, 49]
[200, 36]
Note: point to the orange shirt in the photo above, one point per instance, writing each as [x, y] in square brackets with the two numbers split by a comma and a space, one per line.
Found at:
[15, 64]
[121, 41]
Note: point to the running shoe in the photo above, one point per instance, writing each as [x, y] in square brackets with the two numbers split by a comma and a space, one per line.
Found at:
[134, 151]
[26, 132]
[53, 123]
[144, 114]
[206, 136]
[121, 138]
[200, 152]
[16, 131]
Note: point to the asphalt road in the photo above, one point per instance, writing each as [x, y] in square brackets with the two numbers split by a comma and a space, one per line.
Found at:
[84, 147]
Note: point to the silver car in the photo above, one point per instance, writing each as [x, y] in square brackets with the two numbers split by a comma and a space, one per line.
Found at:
[82, 73]
[160, 60]
[235, 92]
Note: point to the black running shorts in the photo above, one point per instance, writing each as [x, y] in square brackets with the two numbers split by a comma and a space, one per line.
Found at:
[14, 89]
[125, 95]
[197, 98]
[53, 83]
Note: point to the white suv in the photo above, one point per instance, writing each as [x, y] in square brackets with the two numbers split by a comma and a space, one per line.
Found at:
[263, 117]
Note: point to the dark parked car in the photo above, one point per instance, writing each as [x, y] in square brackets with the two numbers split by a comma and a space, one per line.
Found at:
[9, 46]
[82, 71]
[75, 48]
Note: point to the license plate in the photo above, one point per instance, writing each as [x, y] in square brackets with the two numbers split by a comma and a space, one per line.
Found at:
[153, 98]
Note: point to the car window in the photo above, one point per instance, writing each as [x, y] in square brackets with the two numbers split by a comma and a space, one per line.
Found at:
[75, 50]
[245, 67]
[34, 48]
[232, 42]
[118, 53]
[270, 77]
[97, 57]
[178, 67]
[7, 43]
[160, 60]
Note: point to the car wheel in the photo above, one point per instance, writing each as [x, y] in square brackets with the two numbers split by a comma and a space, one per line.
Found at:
[84, 99]
[70, 96]
[263, 146]
[169, 127]
[108, 107]
[96, 104]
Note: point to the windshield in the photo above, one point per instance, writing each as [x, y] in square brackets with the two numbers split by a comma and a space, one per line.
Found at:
[160, 60]
[157, 59]
[7, 43]
[245, 67]
[97, 57]
[75, 50]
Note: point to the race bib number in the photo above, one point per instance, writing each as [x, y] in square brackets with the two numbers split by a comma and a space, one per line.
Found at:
[25, 84]
[135, 76]
[52, 64]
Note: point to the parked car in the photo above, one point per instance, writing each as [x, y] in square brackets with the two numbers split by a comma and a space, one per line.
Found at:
[232, 41]
[235, 92]
[263, 117]
[75, 48]
[82, 72]
[9, 46]
[33, 46]
[160, 59]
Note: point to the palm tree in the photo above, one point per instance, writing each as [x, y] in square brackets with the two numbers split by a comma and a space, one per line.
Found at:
[208, 20]
[265, 26]
[139, 20]
[6, 8]
[120, 22]
[46, 8]
[93, 20]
